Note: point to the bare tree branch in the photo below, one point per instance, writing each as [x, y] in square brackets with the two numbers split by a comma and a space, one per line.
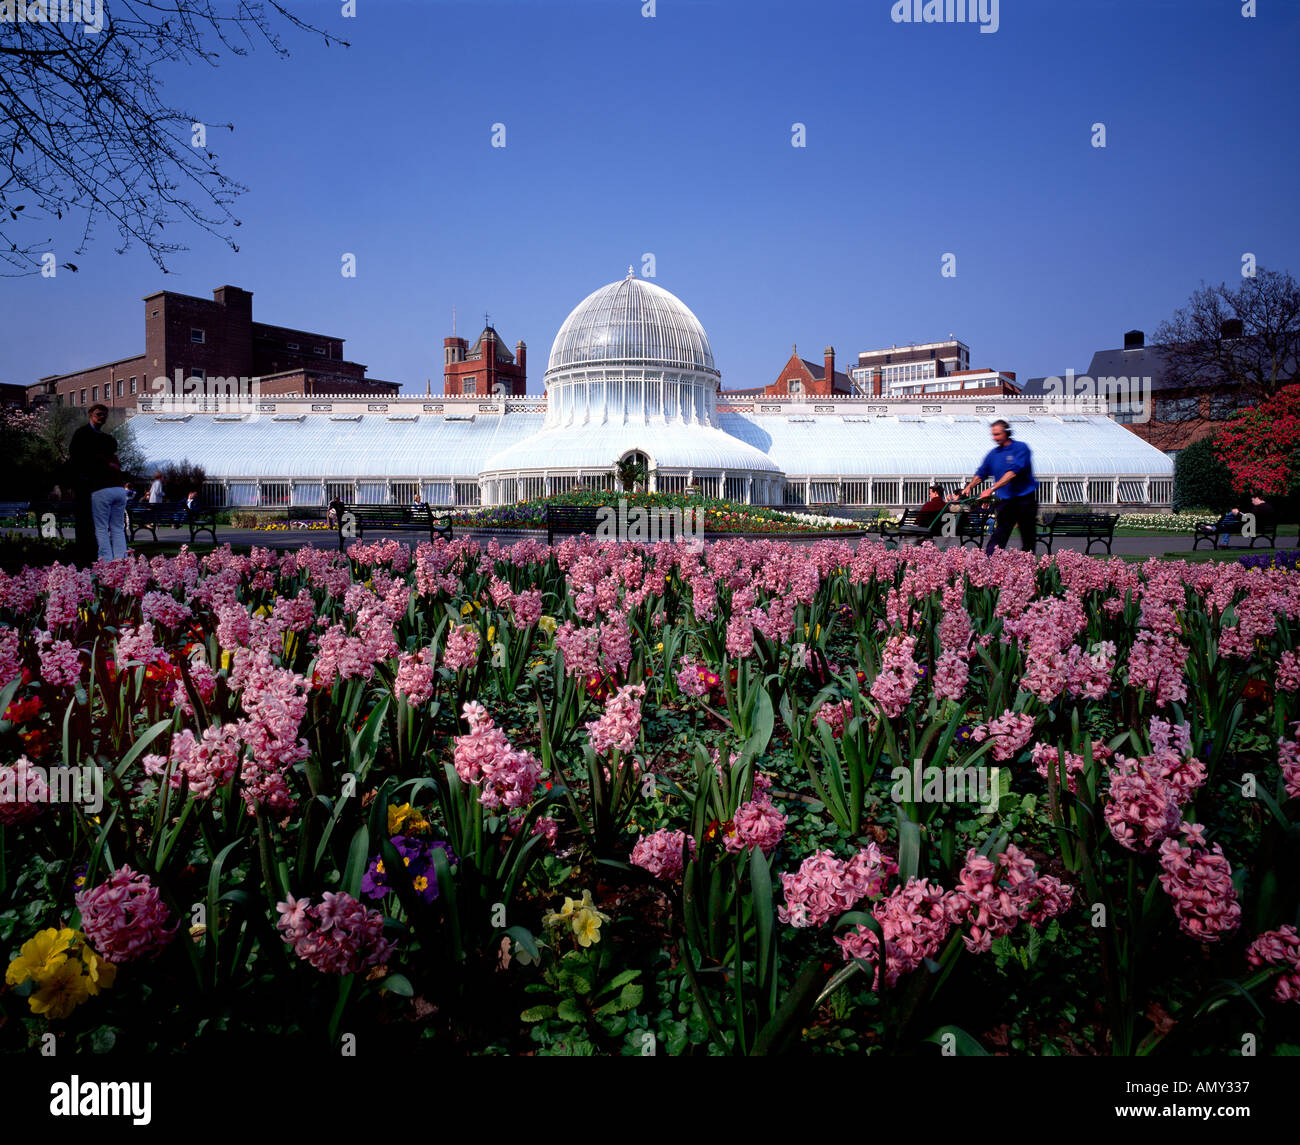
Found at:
[85, 130]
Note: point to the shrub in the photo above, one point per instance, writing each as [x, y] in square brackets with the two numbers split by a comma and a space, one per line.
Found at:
[1200, 478]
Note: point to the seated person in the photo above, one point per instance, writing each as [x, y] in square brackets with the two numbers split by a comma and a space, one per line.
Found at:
[192, 505]
[932, 508]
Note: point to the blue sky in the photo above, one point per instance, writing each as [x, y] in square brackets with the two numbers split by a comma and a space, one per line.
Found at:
[671, 135]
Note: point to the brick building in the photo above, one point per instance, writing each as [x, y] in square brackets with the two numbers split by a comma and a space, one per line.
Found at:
[485, 368]
[198, 338]
[800, 376]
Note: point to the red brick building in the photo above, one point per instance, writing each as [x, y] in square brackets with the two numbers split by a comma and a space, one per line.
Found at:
[485, 368]
[198, 338]
[800, 376]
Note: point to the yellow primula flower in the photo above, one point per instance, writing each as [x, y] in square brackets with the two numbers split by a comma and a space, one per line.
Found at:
[404, 819]
[659, 647]
[492, 632]
[40, 955]
[100, 972]
[265, 610]
[547, 624]
[586, 927]
[466, 609]
[61, 991]
[225, 659]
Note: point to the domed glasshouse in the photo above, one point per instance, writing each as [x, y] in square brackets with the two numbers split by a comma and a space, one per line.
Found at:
[632, 378]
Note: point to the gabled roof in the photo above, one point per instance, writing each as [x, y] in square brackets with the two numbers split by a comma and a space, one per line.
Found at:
[818, 373]
[503, 354]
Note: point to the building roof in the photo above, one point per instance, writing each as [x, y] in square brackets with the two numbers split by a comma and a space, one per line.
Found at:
[466, 444]
[633, 322]
[818, 371]
[669, 445]
[503, 352]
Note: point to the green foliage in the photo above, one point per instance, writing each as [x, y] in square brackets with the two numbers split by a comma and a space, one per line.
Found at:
[1200, 478]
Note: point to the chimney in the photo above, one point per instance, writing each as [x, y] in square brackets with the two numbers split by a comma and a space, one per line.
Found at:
[1230, 328]
[489, 361]
[830, 369]
[521, 358]
[1135, 340]
[233, 298]
[875, 382]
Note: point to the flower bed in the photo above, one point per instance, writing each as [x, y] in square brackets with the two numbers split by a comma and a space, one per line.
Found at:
[719, 516]
[621, 800]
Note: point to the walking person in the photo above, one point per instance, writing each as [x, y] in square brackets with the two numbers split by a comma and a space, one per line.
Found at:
[101, 497]
[156, 490]
[1014, 489]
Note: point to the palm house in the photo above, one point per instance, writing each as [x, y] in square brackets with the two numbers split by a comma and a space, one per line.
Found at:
[632, 377]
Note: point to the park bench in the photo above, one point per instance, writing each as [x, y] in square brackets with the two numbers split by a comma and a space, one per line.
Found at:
[147, 516]
[354, 520]
[59, 514]
[928, 524]
[18, 512]
[571, 520]
[1097, 528]
[1265, 530]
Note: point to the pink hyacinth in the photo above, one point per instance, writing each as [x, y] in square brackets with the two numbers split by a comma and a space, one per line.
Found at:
[414, 680]
[163, 608]
[23, 792]
[620, 724]
[835, 716]
[825, 886]
[527, 607]
[661, 853]
[11, 662]
[1199, 881]
[740, 635]
[1010, 732]
[757, 823]
[1155, 663]
[1142, 809]
[339, 935]
[485, 759]
[951, 672]
[914, 925]
[892, 688]
[124, 917]
[615, 646]
[137, 644]
[691, 681]
[580, 648]
[60, 663]
[462, 648]
[993, 897]
[1288, 672]
[1288, 759]
[208, 763]
[1279, 947]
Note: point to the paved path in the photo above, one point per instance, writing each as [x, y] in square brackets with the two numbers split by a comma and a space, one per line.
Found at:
[327, 539]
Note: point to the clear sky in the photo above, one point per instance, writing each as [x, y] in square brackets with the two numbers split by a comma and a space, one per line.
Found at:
[672, 135]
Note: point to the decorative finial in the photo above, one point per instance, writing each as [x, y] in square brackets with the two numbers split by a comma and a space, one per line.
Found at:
[487, 318]
[630, 272]
[794, 347]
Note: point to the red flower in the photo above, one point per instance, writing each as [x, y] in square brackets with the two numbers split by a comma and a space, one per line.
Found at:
[20, 711]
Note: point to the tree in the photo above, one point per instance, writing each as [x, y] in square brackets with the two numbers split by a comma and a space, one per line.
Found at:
[179, 478]
[129, 454]
[631, 473]
[1201, 479]
[84, 130]
[1245, 341]
[1262, 447]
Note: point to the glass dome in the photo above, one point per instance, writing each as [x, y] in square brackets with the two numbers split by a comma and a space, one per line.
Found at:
[631, 322]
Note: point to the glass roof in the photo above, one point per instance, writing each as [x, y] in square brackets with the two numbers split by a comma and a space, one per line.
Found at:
[632, 321]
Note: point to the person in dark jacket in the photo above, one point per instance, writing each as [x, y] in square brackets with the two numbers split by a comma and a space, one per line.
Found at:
[101, 498]
[926, 514]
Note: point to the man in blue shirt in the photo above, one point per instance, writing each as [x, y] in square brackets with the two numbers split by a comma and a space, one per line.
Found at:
[1011, 466]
